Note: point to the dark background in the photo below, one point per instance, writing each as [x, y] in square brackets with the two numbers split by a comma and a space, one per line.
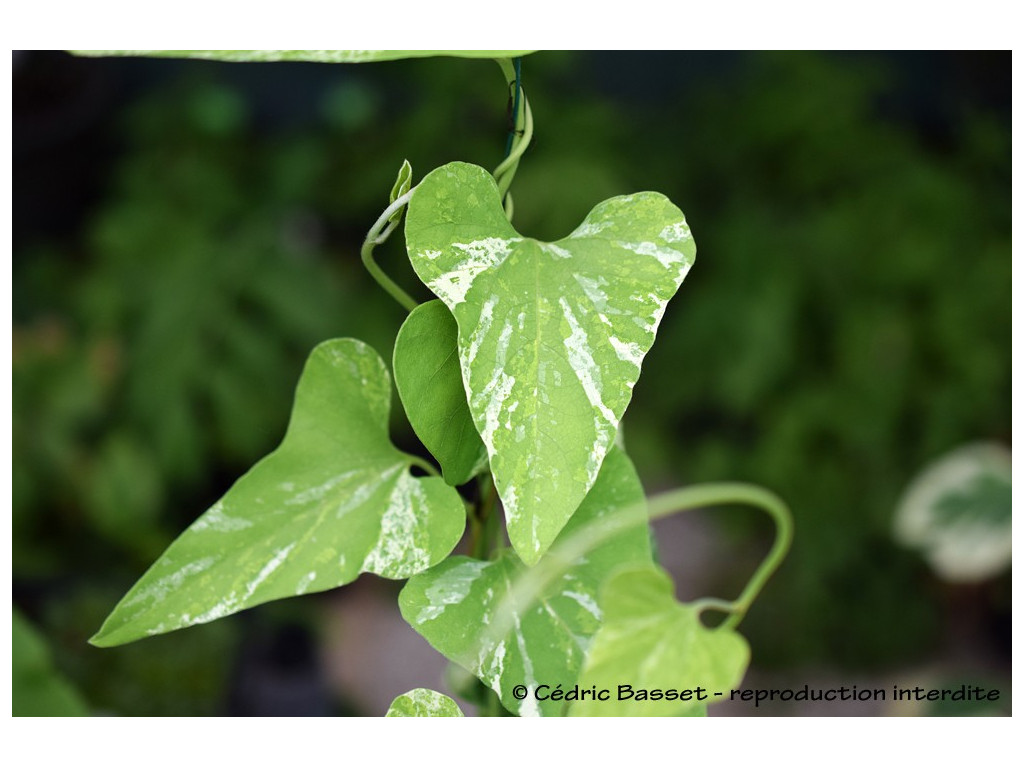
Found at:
[186, 231]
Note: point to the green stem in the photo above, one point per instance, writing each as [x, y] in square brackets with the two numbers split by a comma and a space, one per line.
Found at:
[717, 494]
[533, 582]
[423, 464]
[523, 130]
[377, 235]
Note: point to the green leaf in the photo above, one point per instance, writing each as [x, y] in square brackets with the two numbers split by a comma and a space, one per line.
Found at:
[649, 641]
[551, 335]
[336, 57]
[37, 688]
[336, 499]
[429, 382]
[457, 605]
[403, 183]
[423, 702]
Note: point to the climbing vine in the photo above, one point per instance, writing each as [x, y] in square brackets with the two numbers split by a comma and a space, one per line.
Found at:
[515, 378]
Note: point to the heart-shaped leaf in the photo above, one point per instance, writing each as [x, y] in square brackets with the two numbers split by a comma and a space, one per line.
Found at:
[429, 382]
[651, 642]
[336, 57]
[423, 702]
[455, 604]
[336, 499]
[551, 335]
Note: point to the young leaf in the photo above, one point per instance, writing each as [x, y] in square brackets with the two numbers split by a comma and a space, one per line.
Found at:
[648, 641]
[429, 382]
[455, 604]
[403, 183]
[551, 335]
[423, 702]
[337, 57]
[336, 499]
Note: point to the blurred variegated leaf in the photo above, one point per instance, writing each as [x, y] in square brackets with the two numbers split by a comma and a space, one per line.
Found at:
[336, 499]
[429, 381]
[456, 604]
[958, 513]
[423, 702]
[335, 57]
[551, 335]
[650, 641]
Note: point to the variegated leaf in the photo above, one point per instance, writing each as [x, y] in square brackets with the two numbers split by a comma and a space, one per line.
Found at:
[649, 641]
[423, 702]
[551, 335]
[336, 499]
[456, 604]
[336, 57]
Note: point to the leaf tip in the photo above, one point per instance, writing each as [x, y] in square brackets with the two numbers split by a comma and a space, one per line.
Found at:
[99, 640]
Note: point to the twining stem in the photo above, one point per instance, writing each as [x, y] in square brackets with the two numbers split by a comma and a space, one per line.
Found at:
[519, 139]
[377, 235]
[522, 133]
[531, 584]
[717, 494]
[517, 64]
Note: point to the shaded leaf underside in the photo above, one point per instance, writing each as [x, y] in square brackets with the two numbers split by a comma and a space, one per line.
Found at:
[429, 381]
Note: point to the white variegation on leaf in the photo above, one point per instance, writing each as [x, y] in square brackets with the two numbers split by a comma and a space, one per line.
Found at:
[331, 57]
[958, 512]
[551, 335]
[649, 641]
[423, 702]
[336, 499]
[457, 605]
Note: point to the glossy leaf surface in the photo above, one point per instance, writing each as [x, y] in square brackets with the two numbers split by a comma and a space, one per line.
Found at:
[650, 641]
[454, 604]
[429, 381]
[551, 335]
[334, 57]
[336, 499]
[423, 702]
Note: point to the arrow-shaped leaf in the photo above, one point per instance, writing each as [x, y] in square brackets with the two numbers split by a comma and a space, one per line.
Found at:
[551, 335]
[336, 499]
[456, 604]
[651, 642]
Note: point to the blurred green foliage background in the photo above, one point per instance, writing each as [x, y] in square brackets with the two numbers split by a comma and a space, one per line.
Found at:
[185, 232]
